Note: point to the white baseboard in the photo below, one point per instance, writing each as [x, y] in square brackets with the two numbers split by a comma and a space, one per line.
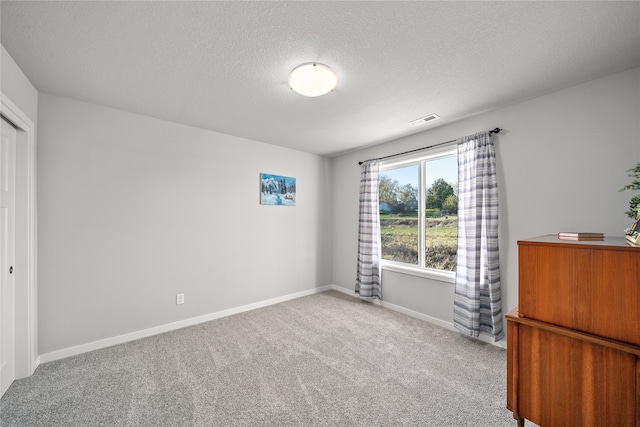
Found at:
[421, 316]
[120, 339]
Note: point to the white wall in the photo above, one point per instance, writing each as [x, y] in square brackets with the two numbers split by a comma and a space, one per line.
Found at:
[134, 210]
[561, 161]
[15, 85]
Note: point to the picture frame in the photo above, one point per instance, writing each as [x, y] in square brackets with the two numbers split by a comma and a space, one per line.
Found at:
[277, 190]
[633, 233]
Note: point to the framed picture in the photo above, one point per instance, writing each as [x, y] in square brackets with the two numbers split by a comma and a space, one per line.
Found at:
[277, 190]
[633, 234]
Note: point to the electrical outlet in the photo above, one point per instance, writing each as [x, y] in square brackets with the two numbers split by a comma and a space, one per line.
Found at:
[179, 299]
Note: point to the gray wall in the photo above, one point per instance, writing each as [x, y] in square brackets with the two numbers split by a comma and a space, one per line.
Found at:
[133, 210]
[561, 161]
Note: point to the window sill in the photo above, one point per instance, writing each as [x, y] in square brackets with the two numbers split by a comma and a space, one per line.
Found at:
[440, 275]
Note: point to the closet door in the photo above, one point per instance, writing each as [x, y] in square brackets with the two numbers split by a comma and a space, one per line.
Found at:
[7, 254]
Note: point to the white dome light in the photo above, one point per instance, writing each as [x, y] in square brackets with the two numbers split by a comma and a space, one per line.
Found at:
[312, 79]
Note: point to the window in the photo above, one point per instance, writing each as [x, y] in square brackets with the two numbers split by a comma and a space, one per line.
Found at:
[419, 214]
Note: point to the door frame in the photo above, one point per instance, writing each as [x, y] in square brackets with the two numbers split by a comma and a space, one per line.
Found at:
[26, 315]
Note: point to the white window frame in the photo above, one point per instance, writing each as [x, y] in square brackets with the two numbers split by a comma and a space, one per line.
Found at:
[420, 160]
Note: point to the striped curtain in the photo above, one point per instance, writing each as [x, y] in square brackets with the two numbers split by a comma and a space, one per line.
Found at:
[368, 275]
[477, 300]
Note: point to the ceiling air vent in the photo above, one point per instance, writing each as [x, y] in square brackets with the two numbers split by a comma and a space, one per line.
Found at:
[423, 120]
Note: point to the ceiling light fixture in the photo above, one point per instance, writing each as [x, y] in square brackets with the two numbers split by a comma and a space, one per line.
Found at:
[313, 79]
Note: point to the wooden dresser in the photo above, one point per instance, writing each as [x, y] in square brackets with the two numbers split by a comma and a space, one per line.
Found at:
[573, 342]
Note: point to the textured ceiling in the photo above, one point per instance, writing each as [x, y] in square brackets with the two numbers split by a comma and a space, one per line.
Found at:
[224, 65]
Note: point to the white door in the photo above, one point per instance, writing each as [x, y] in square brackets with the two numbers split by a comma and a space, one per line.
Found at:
[7, 254]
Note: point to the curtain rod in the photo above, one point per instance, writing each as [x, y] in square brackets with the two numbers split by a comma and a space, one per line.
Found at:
[496, 130]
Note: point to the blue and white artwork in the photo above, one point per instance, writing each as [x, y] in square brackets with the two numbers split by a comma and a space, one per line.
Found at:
[277, 190]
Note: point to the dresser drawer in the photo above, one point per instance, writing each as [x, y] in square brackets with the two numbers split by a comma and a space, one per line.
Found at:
[593, 287]
[557, 377]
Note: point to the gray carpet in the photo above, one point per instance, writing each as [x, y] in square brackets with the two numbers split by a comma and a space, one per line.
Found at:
[322, 360]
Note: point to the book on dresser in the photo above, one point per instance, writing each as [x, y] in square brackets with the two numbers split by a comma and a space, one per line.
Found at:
[580, 235]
